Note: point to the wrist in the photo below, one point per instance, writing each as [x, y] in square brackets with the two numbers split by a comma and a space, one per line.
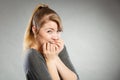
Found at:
[51, 60]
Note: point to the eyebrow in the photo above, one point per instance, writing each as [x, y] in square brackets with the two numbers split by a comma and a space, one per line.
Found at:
[50, 28]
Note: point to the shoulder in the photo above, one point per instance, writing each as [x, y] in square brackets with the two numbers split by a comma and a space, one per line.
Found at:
[32, 53]
[64, 52]
[32, 57]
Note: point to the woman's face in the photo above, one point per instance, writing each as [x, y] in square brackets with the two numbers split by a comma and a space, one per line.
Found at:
[49, 33]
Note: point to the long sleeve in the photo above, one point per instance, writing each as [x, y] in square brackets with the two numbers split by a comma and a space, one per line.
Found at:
[35, 67]
[66, 60]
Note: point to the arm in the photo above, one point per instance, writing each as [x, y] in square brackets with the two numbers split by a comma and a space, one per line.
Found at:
[64, 71]
[66, 60]
[35, 67]
[56, 65]
[53, 70]
[50, 56]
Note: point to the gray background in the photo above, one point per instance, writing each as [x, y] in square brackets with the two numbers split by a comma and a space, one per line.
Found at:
[91, 34]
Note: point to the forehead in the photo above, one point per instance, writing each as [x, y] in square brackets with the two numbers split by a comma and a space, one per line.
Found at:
[49, 25]
[51, 20]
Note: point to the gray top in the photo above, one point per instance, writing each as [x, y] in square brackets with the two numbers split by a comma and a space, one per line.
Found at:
[35, 66]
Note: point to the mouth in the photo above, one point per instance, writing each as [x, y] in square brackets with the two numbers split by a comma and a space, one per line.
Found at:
[52, 42]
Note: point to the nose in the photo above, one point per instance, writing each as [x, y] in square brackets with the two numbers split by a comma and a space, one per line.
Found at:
[56, 36]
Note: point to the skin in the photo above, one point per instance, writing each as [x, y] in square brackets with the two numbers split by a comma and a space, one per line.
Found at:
[51, 45]
[49, 35]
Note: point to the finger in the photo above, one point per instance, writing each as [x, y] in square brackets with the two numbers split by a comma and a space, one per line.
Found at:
[44, 47]
[48, 46]
[56, 47]
[60, 42]
[51, 47]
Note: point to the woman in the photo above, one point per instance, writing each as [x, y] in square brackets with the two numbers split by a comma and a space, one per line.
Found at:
[46, 57]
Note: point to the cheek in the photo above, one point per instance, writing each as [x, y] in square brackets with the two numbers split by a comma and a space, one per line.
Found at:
[44, 38]
[59, 35]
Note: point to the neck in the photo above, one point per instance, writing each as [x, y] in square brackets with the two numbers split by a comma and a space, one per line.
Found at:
[37, 47]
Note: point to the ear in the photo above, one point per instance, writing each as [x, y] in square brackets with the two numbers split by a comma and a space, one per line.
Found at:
[34, 29]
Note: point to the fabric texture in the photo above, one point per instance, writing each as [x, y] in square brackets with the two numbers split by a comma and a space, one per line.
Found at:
[35, 66]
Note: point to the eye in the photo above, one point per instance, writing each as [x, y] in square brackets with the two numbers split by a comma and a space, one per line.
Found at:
[49, 31]
[59, 31]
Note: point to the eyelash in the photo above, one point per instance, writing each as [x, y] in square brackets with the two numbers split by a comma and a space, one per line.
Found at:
[50, 31]
[59, 31]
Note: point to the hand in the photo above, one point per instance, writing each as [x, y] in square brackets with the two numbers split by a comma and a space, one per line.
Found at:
[49, 51]
[59, 45]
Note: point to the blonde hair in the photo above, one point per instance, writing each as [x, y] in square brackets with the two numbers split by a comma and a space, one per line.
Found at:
[41, 14]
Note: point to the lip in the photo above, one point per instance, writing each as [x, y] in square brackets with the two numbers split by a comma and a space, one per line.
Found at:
[52, 42]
